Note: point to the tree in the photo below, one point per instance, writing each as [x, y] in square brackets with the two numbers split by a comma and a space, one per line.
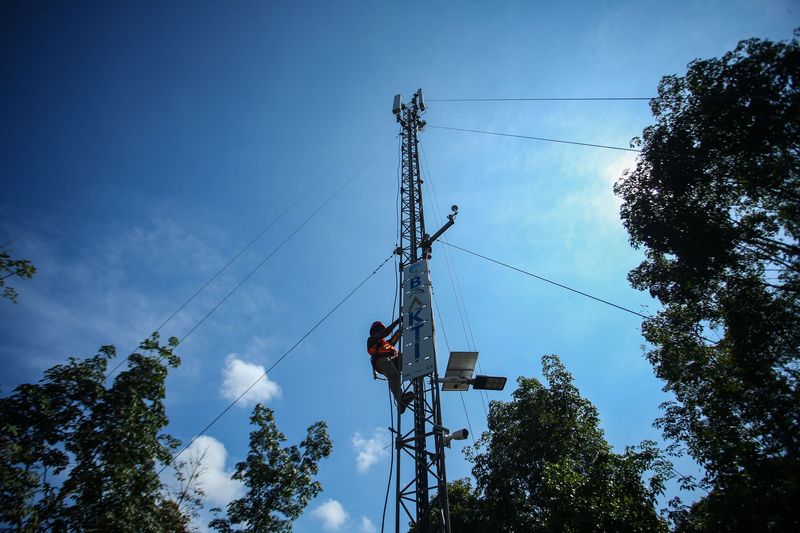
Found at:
[544, 465]
[279, 481]
[78, 456]
[467, 513]
[714, 201]
[188, 493]
[9, 267]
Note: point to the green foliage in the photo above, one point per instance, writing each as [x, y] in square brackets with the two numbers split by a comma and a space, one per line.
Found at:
[80, 456]
[188, 493]
[714, 201]
[467, 514]
[465, 509]
[10, 267]
[544, 465]
[279, 481]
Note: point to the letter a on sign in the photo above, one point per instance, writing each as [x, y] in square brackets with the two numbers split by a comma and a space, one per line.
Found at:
[418, 339]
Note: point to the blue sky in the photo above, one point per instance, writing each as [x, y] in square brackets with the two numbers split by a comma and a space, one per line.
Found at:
[143, 144]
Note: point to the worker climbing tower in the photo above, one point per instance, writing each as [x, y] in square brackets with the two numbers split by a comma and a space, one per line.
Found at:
[425, 441]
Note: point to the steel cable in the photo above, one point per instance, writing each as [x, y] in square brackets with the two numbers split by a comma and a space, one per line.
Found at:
[276, 363]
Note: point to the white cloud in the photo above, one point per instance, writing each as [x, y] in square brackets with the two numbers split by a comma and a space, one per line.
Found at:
[367, 526]
[332, 515]
[238, 375]
[213, 478]
[113, 287]
[371, 449]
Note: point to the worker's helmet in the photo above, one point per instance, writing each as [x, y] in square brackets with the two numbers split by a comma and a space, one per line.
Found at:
[376, 325]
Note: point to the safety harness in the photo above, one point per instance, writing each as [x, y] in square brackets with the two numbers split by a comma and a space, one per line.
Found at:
[377, 350]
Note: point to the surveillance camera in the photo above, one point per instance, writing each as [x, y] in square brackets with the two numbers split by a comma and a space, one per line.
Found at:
[461, 434]
[454, 208]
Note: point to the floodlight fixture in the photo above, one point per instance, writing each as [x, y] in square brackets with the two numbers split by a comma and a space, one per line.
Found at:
[489, 382]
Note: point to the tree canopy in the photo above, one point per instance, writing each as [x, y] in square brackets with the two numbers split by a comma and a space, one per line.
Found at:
[279, 480]
[545, 465]
[79, 456]
[714, 201]
[10, 267]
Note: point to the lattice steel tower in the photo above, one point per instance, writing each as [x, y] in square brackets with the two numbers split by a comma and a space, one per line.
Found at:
[425, 443]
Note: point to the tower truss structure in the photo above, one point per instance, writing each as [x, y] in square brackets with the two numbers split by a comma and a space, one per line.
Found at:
[424, 442]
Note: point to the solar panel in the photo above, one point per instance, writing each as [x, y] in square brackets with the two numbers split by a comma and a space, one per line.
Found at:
[460, 367]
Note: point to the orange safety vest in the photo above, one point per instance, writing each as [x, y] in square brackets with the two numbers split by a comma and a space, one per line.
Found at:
[381, 348]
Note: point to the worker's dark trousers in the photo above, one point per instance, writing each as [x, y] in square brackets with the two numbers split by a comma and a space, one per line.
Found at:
[388, 368]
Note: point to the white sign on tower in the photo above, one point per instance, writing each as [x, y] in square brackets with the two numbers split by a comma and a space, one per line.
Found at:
[418, 341]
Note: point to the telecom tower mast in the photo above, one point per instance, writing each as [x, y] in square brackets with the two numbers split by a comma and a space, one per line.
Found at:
[418, 355]
[426, 442]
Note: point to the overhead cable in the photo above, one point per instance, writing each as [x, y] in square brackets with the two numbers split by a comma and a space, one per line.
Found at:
[223, 269]
[447, 343]
[593, 98]
[469, 424]
[246, 247]
[454, 282]
[535, 138]
[476, 254]
[449, 257]
[391, 460]
[276, 363]
[566, 99]
[631, 311]
[282, 243]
